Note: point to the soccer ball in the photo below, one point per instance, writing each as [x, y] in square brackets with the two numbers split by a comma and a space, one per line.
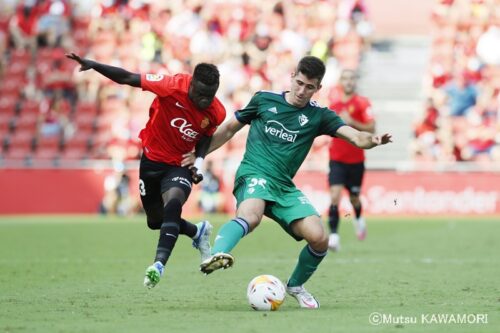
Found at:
[265, 292]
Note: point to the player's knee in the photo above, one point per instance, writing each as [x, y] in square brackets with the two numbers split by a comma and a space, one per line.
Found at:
[154, 217]
[317, 238]
[252, 217]
[154, 223]
[335, 201]
[253, 221]
[335, 198]
[354, 198]
[172, 210]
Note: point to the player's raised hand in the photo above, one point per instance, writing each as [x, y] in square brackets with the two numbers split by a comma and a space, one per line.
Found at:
[85, 64]
[382, 139]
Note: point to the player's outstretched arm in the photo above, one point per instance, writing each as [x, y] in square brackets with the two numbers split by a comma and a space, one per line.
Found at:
[119, 75]
[364, 140]
[225, 132]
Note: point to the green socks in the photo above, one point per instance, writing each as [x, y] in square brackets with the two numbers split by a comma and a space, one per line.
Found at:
[230, 234]
[309, 260]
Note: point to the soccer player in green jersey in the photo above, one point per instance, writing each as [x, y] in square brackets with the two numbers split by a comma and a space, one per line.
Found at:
[282, 130]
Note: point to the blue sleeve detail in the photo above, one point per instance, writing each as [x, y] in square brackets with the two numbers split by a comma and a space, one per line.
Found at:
[337, 128]
[240, 118]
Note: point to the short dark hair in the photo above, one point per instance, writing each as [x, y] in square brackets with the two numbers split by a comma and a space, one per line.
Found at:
[311, 67]
[207, 74]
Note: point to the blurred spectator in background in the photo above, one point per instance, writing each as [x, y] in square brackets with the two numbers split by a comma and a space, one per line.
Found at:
[23, 24]
[117, 199]
[210, 200]
[255, 44]
[353, 15]
[58, 80]
[53, 120]
[464, 84]
[461, 95]
[53, 22]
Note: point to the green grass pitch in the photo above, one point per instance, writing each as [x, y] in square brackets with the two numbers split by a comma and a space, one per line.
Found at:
[85, 273]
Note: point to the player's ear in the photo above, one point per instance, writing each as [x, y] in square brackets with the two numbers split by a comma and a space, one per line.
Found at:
[190, 89]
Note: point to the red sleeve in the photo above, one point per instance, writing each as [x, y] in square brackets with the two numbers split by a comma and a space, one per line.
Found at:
[367, 113]
[159, 84]
[220, 115]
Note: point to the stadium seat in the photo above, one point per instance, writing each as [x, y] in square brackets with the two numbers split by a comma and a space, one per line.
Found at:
[6, 120]
[79, 139]
[74, 153]
[30, 106]
[20, 55]
[18, 145]
[7, 103]
[17, 153]
[46, 153]
[48, 142]
[16, 68]
[86, 108]
[21, 138]
[84, 121]
[4, 133]
[13, 85]
[27, 121]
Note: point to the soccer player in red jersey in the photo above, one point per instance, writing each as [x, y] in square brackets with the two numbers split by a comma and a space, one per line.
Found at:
[346, 160]
[183, 116]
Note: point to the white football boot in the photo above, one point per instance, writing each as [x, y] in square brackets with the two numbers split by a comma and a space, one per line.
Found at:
[305, 299]
[360, 228]
[334, 242]
[202, 242]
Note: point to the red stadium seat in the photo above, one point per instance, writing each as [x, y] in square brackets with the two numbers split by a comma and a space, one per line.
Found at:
[4, 133]
[21, 138]
[5, 120]
[7, 103]
[17, 67]
[46, 153]
[86, 108]
[20, 55]
[48, 142]
[30, 106]
[80, 139]
[17, 153]
[13, 84]
[26, 121]
[74, 153]
[84, 121]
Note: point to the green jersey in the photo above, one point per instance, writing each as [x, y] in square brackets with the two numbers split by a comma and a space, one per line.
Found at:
[281, 134]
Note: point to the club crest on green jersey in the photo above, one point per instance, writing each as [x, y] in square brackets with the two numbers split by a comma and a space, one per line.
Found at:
[303, 120]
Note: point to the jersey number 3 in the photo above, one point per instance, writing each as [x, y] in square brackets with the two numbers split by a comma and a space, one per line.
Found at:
[142, 188]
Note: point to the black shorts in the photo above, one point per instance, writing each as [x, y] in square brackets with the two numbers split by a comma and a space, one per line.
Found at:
[349, 175]
[156, 178]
